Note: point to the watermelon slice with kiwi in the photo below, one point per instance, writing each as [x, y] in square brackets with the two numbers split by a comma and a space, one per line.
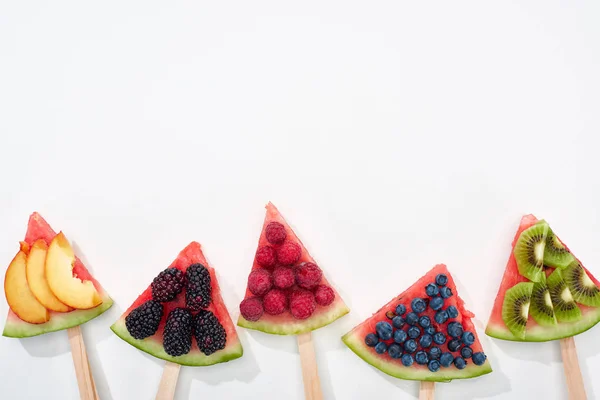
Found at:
[287, 292]
[546, 293]
[423, 334]
[181, 316]
[59, 316]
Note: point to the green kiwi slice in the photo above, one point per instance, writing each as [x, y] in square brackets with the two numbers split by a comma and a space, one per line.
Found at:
[556, 254]
[565, 308]
[515, 309]
[529, 251]
[541, 308]
[583, 289]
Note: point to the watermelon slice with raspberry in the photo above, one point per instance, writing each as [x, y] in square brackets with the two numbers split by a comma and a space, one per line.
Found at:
[181, 316]
[39, 232]
[287, 292]
[546, 293]
[423, 334]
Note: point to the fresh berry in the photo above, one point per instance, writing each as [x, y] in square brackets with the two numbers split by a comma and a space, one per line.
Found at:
[266, 257]
[168, 284]
[289, 253]
[260, 282]
[441, 279]
[436, 303]
[410, 346]
[468, 338]
[371, 340]
[283, 277]
[421, 357]
[431, 290]
[439, 338]
[445, 292]
[455, 329]
[434, 365]
[302, 304]
[400, 336]
[407, 360]
[441, 316]
[412, 318]
[252, 309]
[454, 345]
[275, 302]
[425, 341]
[435, 353]
[479, 358]
[308, 275]
[414, 332]
[177, 336]
[400, 309]
[143, 321]
[384, 330]
[446, 359]
[398, 322]
[381, 348]
[460, 362]
[324, 295]
[466, 352]
[394, 350]
[210, 334]
[452, 312]
[197, 288]
[275, 233]
[418, 305]
[424, 321]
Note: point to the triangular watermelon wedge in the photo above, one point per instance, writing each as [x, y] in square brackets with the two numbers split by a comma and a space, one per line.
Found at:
[291, 294]
[383, 339]
[534, 332]
[153, 345]
[38, 228]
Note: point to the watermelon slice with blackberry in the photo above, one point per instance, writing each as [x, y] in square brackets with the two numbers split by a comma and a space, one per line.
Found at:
[287, 292]
[181, 316]
[546, 293]
[423, 334]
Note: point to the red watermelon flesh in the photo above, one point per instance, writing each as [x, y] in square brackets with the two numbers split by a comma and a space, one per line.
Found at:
[153, 345]
[355, 339]
[38, 228]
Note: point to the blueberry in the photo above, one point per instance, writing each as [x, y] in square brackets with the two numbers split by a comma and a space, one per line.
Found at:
[466, 352]
[418, 305]
[431, 290]
[452, 312]
[479, 358]
[410, 346]
[414, 332]
[398, 322]
[435, 353]
[468, 338]
[412, 318]
[371, 340]
[430, 330]
[441, 316]
[446, 359]
[460, 363]
[384, 330]
[455, 329]
[445, 292]
[434, 365]
[441, 279]
[421, 357]
[407, 360]
[395, 351]
[424, 321]
[400, 309]
[400, 336]
[454, 345]
[439, 338]
[425, 341]
[436, 303]
[381, 348]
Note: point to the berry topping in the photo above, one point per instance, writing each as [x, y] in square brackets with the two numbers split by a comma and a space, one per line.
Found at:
[251, 309]
[260, 282]
[460, 362]
[479, 358]
[283, 277]
[468, 338]
[398, 322]
[441, 279]
[275, 233]
[441, 316]
[455, 329]
[400, 309]
[434, 365]
[424, 321]
[425, 341]
[446, 359]
[436, 303]
[454, 345]
[395, 351]
[418, 305]
[168, 284]
[414, 332]
[302, 304]
[435, 353]
[289, 253]
[177, 336]
[452, 312]
[466, 352]
[324, 295]
[432, 290]
[275, 302]
[412, 318]
[384, 330]
[308, 275]
[445, 292]
[371, 340]
[400, 336]
[143, 321]
[421, 357]
[430, 330]
[439, 338]
[198, 289]
[266, 257]
[210, 334]
[410, 346]
[381, 348]
[407, 360]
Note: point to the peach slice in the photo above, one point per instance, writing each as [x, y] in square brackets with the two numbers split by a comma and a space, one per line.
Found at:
[36, 278]
[69, 289]
[19, 296]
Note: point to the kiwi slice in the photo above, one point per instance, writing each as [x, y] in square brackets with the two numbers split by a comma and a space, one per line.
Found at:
[583, 289]
[515, 309]
[556, 254]
[541, 308]
[564, 304]
[529, 251]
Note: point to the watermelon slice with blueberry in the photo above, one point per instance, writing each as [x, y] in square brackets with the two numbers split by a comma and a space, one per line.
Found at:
[47, 287]
[181, 316]
[546, 293]
[423, 334]
[287, 292]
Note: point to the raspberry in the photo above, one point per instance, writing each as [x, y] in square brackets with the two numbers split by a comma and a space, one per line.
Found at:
[302, 304]
[283, 277]
[177, 336]
[265, 256]
[275, 302]
[210, 334]
[198, 288]
[260, 282]
[251, 308]
[308, 275]
[143, 321]
[324, 295]
[167, 285]
[275, 233]
[289, 253]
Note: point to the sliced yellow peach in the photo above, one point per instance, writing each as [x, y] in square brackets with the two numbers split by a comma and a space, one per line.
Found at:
[69, 289]
[36, 278]
[19, 296]
[24, 247]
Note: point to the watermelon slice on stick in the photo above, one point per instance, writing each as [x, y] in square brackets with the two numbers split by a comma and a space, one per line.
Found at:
[546, 294]
[288, 294]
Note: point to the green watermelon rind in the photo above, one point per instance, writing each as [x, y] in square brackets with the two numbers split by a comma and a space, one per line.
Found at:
[393, 367]
[194, 359]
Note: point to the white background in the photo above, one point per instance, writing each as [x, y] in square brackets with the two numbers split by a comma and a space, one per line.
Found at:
[392, 135]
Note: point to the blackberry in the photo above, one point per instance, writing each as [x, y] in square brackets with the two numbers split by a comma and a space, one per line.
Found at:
[143, 321]
[197, 288]
[168, 284]
[210, 334]
[177, 337]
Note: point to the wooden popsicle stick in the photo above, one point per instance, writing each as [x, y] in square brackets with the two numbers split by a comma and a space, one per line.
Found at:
[427, 390]
[85, 379]
[575, 386]
[168, 382]
[310, 372]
